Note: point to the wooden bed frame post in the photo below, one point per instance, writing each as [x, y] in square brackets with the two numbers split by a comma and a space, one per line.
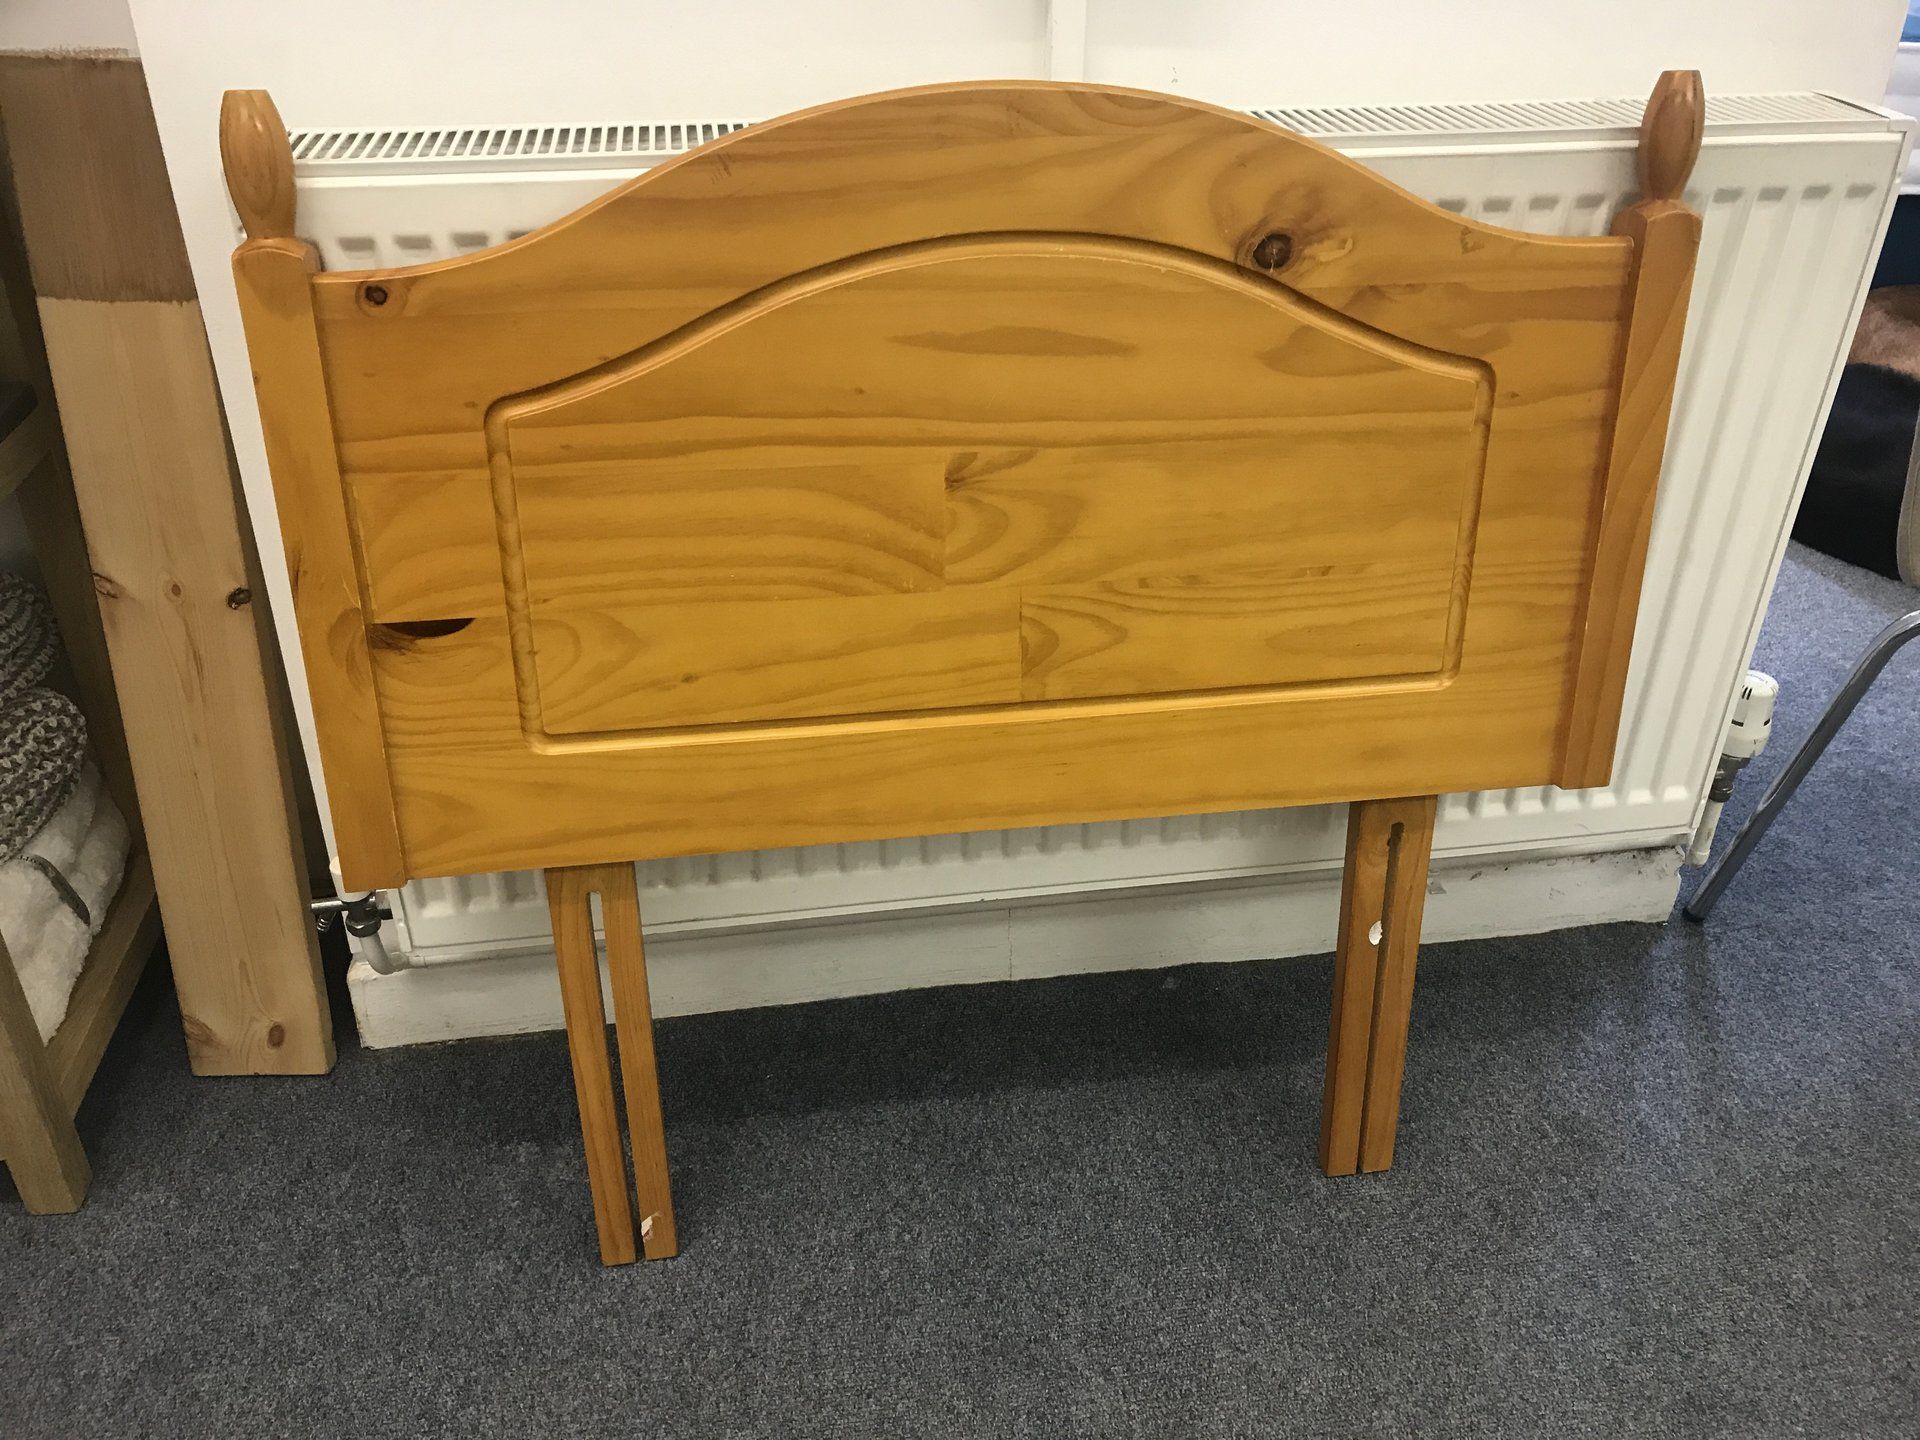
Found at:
[569, 893]
[1382, 895]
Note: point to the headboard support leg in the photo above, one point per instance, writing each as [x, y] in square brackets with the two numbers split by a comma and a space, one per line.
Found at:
[1382, 896]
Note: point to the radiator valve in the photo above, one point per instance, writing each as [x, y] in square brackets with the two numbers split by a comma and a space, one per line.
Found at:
[1747, 736]
[362, 916]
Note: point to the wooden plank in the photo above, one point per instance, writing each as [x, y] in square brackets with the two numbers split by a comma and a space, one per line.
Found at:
[1666, 237]
[1382, 894]
[620, 533]
[1403, 902]
[143, 420]
[115, 962]
[37, 1138]
[276, 308]
[1148, 638]
[156, 492]
[1666, 240]
[450, 704]
[661, 666]
[1293, 498]
[470, 787]
[639, 1073]
[568, 894]
[744, 526]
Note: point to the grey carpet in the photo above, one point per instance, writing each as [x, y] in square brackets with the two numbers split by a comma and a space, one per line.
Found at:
[1651, 1181]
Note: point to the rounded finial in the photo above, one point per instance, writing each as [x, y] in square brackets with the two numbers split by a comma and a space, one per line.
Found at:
[259, 163]
[1670, 131]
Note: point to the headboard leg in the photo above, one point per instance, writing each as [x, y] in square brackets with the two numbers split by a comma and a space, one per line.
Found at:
[1382, 895]
[568, 894]
[633, 1024]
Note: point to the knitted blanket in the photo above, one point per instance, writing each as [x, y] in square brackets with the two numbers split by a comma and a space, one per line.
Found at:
[43, 737]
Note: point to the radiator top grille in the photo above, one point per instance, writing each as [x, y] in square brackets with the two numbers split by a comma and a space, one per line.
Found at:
[630, 145]
[502, 146]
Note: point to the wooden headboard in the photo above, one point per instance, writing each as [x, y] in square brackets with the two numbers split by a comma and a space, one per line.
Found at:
[958, 458]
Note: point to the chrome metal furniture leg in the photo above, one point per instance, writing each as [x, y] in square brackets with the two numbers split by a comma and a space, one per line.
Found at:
[1718, 875]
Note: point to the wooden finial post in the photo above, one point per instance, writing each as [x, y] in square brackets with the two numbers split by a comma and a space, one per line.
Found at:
[258, 162]
[1670, 132]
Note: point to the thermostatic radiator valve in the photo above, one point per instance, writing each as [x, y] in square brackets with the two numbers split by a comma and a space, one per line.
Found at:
[363, 916]
[1747, 736]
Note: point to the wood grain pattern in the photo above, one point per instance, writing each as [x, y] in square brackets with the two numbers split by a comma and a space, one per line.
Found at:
[142, 419]
[1147, 637]
[1221, 431]
[276, 306]
[1666, 238]
[160, 550]
[1158, 508]
[1382, 896]
[569, 891]
[660, 666]
[1404, 899]
[552, 438]
[732, 528]
[468, 781]
[639, 1076]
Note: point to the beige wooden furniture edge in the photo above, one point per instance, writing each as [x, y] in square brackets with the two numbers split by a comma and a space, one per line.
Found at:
[149, 529]
[961, 458]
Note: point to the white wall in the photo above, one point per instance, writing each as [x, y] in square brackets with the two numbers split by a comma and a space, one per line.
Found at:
[1243, 53]
[455, 61]
[66, 25]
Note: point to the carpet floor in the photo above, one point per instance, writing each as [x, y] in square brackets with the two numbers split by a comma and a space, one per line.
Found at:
[1651, 1180]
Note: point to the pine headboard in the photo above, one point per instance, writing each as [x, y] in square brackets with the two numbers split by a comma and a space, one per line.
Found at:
[958, 458]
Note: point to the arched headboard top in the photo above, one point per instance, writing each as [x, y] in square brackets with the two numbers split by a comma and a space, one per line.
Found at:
[959, 358]
[1024, 155]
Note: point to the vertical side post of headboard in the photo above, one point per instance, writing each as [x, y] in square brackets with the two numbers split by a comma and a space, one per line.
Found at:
[1666, 238]
[273, 272]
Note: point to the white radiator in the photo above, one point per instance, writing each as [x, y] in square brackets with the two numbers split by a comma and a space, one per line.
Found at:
[1795, 189]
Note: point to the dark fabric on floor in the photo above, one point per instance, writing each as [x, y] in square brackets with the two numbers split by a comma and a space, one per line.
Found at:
[1851, 508]
[1650, 1181]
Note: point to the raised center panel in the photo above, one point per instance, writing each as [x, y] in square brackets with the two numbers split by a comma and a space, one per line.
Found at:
[851, 494]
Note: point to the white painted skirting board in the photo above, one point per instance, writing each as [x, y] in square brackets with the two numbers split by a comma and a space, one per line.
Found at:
[693, 971]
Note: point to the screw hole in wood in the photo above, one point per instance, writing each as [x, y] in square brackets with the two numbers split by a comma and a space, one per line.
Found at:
[1273, 251]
